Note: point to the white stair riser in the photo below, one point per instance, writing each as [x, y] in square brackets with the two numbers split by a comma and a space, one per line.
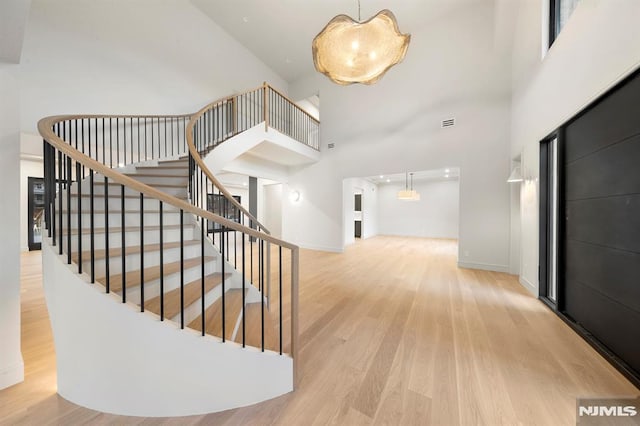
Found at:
[151, 258]
[163, 180]
[115, 204]
[117, 190]
[171, 281]
[181, 172]
[151, 236]
[115, 219]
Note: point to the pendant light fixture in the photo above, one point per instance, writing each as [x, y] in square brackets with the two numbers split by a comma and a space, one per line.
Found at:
[408, 194]
[349, 51]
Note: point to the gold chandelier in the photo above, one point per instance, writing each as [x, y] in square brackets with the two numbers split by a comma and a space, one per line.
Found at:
[349, 51]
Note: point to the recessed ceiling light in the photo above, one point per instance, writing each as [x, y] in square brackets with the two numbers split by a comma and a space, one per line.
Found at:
[388, 180]
[447, 170]
[244, 183]
[245, 19]
[381, 176]
[446, 176]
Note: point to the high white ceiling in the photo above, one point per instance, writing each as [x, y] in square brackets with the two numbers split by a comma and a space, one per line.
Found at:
[280, 32]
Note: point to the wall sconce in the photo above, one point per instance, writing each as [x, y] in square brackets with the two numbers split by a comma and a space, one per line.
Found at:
[295, 196]
[516, 175]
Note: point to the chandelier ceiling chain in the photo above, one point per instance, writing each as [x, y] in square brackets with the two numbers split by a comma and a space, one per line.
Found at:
[349, 51]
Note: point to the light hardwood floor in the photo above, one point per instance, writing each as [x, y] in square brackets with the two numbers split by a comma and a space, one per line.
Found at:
[392, 332]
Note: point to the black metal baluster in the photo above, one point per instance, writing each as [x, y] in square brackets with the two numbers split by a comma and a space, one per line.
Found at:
[159, 144]
[244, 279]
[146, 155]
[110, 143]
[259, 265]
[92, 228]
[123, 248]
[202, 289]
[131, 139]
[262, 294]
[79, 182]
[69, 210]
[181, 268]
[222, 262]
[172, 137]
[138, 139]
[141, 252]
[152, 141]
[89, 135]
[106, 233]
[117, 142]
[59, 195]
[104, 135]
[47, 185]
[161, 263]
[82, 140]
[280, 292]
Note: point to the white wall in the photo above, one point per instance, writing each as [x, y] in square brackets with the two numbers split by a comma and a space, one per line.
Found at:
[271, 208]
[598, 47]
[435, 215]
[11, 365]
[120, 56]
[452, 69]
[369, 214]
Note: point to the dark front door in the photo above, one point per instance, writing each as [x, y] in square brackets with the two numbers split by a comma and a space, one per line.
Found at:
[599, 221]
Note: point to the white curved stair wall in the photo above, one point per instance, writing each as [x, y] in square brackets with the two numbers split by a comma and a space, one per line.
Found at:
[115, 359]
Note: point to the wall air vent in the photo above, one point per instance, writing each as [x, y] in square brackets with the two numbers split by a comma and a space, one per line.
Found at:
[331, 145]
[450, 122]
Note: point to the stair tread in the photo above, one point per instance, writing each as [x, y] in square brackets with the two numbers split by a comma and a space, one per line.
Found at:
[114, 229]
[192, 292]
[253, 335]
[213, 315]
[150, 273]
[155, 175]
[115, 252]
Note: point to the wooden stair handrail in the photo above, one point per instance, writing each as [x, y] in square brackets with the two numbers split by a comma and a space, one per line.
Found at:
[45, 127]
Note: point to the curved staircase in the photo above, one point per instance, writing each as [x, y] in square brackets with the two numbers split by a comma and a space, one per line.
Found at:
[133, 212]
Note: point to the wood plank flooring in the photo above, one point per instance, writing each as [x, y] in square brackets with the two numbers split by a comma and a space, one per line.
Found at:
[392, 332]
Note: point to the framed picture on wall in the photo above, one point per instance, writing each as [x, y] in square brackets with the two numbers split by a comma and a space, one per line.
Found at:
[218, 204]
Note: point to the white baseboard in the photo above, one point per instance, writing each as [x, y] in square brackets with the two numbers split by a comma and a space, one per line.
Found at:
[12, 374]
[531, 288]
[321, 248]
[484, 266]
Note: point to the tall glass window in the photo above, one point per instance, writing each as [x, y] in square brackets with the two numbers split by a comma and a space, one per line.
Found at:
[560, 11]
